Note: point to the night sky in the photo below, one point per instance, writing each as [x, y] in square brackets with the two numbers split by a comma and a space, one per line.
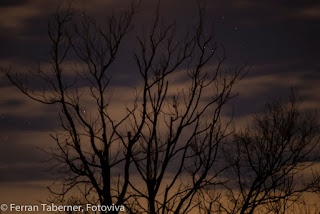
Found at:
[278, 39]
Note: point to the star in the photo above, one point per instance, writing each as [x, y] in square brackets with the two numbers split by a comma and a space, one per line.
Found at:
[4, 139]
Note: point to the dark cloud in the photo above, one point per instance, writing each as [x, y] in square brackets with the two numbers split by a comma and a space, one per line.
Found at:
[29, 44]
[22, 162]
[17, 153]
[21, 174]
[11, 102]
[5, 3]
[28, 123]
[25, 172]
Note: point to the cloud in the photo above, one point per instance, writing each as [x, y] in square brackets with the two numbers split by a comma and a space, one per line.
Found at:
[21, 157]
[25, 107]
[27, 192]
[14, 17]
[309, 13]
[12, 3]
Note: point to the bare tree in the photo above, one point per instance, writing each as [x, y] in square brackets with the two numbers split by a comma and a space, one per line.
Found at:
[83, 145]
[165, 148]
[180, 133]
[270, 157]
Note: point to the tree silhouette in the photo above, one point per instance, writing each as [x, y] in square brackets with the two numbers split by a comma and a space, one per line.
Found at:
[164, 149]
[269, 159]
